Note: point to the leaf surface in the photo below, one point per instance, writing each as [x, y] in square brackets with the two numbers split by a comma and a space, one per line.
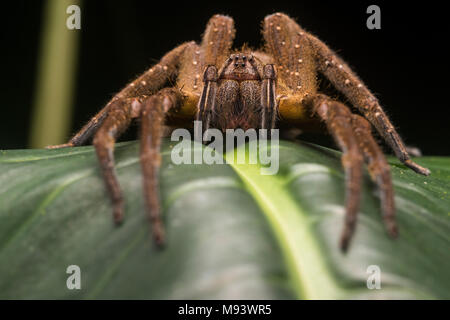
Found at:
[232, 232]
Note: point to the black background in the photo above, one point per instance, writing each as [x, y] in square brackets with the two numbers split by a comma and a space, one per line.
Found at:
[405, 64]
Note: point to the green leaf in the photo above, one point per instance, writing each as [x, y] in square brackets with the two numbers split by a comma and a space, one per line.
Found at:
[232, 232]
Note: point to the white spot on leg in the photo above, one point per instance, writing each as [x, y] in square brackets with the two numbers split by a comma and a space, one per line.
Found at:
[135, 108]
[143, 82]
[347, 81]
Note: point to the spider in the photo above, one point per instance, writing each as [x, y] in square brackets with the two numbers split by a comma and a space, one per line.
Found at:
[276, 86]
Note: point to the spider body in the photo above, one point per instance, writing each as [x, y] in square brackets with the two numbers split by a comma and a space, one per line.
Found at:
[275, 86]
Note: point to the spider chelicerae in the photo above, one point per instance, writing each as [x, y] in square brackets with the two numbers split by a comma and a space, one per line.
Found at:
[275, 86]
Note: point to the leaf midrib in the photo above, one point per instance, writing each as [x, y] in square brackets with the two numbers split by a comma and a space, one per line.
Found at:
[306, 266]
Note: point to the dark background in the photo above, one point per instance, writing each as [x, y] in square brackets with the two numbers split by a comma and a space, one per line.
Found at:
[405, 63]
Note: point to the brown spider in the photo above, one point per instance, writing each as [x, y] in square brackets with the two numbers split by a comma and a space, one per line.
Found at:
[274, 86]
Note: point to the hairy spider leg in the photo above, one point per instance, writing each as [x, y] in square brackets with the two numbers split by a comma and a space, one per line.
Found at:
[347, 82]
[292, 47]
[217, 40]
[216, 45]
[118, 119]
[338, 119]
[147, 84]
[379, 170]
[373, 156]
[117, 116]
[295, 56]
[285, 42]
[154, 110]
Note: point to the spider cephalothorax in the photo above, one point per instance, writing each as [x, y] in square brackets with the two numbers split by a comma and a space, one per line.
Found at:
[272, 87]
[235, 93]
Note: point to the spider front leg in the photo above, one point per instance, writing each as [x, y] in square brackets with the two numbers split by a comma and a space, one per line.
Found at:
[152, 111]
[216, 44]
[352, 131]
[379, 170]
[153, 114]
[120, 114]
[337, 117]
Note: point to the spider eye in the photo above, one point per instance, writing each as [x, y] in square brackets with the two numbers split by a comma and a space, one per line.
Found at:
[244, 58]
